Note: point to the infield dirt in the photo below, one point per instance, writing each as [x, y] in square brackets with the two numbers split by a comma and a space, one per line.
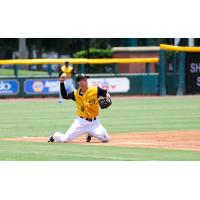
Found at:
[179, 140]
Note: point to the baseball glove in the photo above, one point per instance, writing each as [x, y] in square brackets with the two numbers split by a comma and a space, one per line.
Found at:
[104, 102]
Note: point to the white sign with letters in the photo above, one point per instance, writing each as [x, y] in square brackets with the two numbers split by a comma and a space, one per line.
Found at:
[115, 85]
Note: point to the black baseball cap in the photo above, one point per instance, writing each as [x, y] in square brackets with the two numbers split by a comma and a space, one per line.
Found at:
[81, 76]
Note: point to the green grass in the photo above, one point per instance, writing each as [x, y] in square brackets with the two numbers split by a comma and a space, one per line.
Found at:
[61, 152]
[41, 118]
[10, 72]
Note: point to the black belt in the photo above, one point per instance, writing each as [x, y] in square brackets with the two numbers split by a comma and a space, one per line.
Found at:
[88, 119]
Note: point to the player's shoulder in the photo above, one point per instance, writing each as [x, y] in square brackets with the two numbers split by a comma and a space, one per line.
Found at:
[97, 88]
[93, 87]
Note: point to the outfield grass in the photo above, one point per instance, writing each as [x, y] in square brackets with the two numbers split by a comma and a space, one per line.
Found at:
[41, 118]
[10, 72]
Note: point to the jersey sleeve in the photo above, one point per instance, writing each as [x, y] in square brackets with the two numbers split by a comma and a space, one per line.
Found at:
[66, 95]
[101, 92]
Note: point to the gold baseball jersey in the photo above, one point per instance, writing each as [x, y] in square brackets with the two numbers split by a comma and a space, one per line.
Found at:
[87, 103]
[68, 70]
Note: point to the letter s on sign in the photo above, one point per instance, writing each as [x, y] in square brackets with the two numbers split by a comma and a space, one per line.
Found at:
[192, 68]
[198, 81]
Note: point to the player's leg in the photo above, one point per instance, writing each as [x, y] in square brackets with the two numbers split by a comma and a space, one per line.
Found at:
[97, 130]
[77, 128]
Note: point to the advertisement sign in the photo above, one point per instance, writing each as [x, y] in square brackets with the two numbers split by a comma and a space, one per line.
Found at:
[9, 87]
[193, 73]
[41, 86]
[112, 85]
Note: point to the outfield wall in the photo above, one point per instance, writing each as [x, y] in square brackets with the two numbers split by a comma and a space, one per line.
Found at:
[179, 73]
[135, 84]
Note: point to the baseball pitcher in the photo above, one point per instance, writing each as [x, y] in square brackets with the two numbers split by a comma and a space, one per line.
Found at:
[87, 101]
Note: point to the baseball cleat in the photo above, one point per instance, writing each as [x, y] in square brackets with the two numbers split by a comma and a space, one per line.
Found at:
[50, 139]
[88, 139]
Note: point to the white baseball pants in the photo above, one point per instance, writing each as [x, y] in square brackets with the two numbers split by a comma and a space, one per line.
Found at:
[81, 126]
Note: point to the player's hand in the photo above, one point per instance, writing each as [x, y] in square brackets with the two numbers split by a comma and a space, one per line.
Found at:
[63, 77]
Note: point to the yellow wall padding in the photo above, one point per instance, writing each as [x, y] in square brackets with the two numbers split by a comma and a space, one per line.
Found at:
[78, 61]
[179, 48]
